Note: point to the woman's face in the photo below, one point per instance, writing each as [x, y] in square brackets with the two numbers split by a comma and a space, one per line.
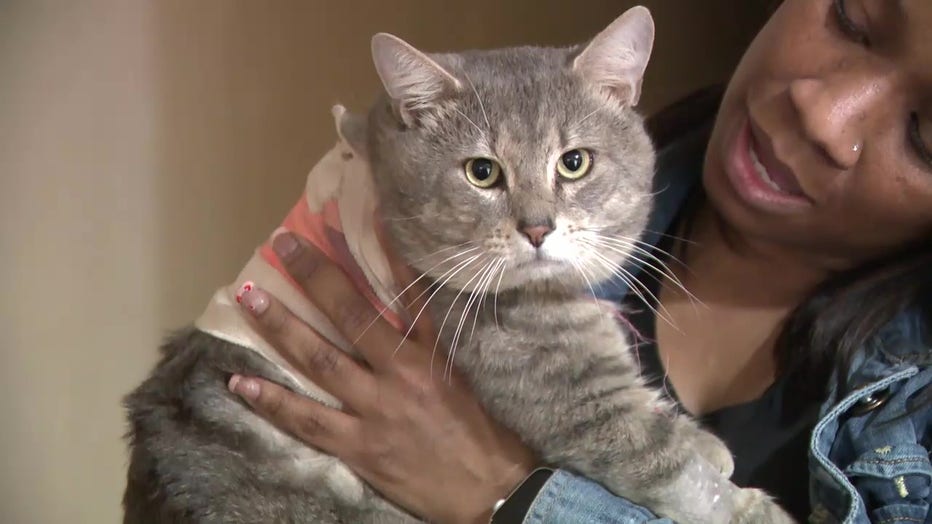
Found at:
[824, 140]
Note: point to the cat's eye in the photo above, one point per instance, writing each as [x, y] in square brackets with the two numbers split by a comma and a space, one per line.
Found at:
[574, 164]
[852, 29]
[483, 172]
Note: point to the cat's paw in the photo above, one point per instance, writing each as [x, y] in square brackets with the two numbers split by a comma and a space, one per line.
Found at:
[715, 451]
[754, 506]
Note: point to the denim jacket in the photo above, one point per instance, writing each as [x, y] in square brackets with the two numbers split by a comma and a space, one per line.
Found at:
[868, 453]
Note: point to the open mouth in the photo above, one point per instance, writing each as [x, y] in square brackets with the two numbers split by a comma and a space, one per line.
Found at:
[759, 177]
[777, 180]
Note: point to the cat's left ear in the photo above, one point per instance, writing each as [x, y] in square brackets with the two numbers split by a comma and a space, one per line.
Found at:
[617, 57]
[414, 81]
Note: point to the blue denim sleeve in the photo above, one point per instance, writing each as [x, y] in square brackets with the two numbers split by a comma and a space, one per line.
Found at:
[570, 499]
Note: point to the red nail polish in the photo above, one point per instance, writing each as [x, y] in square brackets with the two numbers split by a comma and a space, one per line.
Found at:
[247, 286]
[256, 301]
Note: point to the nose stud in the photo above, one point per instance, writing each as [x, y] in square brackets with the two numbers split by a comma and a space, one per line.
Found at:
[856, 147]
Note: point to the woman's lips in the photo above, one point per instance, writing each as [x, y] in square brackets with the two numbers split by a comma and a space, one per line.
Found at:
[769, 166]
[759, 177]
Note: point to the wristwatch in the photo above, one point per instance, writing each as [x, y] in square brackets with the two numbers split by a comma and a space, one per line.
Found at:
[513, 508]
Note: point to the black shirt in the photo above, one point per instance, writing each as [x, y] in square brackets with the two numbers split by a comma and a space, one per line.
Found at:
[768, 437]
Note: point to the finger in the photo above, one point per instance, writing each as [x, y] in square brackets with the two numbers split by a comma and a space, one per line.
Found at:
[311, 354]
[414, 295]
[325, 428]
[335, 295]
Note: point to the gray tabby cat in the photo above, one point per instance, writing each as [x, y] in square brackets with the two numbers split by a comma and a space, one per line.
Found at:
[527, 171]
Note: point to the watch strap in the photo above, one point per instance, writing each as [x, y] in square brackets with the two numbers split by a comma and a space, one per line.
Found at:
[513, 508]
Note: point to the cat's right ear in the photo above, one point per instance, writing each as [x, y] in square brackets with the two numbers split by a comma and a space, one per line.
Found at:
[616, 58]
[413, 81]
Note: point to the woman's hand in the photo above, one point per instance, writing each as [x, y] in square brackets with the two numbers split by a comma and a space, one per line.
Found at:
[420, 439]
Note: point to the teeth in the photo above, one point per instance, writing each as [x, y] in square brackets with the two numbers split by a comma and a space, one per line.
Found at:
[762, 171]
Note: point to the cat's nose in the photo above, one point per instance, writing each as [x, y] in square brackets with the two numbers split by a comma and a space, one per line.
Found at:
[536, 233]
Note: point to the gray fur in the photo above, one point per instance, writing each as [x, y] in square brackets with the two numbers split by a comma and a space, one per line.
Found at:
[195, 456]
[545, 358]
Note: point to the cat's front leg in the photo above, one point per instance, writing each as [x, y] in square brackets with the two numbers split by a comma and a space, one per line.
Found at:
[754, 505]
[610, 427]
[662, 468]
[712, 449]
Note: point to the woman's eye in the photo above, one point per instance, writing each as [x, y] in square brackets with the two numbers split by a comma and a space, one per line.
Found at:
[915, 138]
[482, 172]
[574, 164]
[851, 28]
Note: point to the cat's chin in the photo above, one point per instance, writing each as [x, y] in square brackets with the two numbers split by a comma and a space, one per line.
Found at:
[545, 274]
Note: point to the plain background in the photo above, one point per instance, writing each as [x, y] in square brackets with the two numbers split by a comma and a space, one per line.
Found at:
[147, 146]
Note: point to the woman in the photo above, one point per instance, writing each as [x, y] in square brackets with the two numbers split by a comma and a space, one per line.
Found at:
[805, 229]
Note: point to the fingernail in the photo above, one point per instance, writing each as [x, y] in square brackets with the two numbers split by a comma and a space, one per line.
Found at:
[247, 286]
[284, 244]
[244, 387]
[255, 300]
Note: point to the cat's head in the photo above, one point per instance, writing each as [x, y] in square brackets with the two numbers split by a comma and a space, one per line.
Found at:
[499, 168]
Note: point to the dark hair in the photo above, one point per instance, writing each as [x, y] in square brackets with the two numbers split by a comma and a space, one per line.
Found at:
[823, 334]
[838, 319]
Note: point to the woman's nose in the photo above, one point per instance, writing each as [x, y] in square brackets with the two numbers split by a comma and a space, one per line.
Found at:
[835, 112]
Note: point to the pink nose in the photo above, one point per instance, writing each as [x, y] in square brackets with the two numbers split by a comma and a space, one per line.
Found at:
[536, 234]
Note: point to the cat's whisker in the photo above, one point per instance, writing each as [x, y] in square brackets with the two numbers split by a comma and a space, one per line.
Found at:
[693, 299]
[438, 264]
[631, 251]
[447, 316]
[439, 282]
[422, 293]
[599, 229]
[630, 279]
[664, 270]
[584, 271]
[497, 287]
[667, 235]
[405, 290]
[479, 99]
[452, 272]
[647, 249]
[636, 245]
[622, 246]
[434, 351]
[594, 111]
[435, 253]
[473, 295]
[400, 219]
[484, 290]
[479, 129]
[579, 269]
[485, 294]
[633, 284]
[658, 192]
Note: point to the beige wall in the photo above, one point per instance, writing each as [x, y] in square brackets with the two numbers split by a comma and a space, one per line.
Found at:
[146, 146]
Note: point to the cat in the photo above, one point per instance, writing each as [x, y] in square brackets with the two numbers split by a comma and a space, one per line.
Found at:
[514, 180]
